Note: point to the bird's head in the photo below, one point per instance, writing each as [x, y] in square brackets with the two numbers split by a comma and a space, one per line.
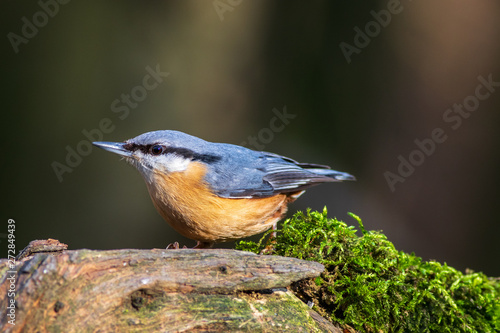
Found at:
[161, 151]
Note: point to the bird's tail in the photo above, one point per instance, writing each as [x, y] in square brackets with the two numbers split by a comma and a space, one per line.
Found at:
[337, 175]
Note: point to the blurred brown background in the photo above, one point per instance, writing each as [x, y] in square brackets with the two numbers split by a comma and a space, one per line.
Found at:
[364, 81]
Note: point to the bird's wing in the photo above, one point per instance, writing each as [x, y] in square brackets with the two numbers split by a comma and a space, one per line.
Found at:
[270, 174]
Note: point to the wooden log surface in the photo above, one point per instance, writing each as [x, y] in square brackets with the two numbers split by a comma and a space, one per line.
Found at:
[157, 290]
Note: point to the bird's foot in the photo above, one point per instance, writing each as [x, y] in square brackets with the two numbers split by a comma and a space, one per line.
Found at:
[174, 246]
[269, 249]
[199, 245]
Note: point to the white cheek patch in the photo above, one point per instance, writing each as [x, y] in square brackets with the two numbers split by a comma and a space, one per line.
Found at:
[165, 163]
[172, 162]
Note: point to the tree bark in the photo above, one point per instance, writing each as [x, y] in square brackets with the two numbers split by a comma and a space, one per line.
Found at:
[157, 290]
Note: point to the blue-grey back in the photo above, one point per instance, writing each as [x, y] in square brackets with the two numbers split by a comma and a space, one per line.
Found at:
[238, 172]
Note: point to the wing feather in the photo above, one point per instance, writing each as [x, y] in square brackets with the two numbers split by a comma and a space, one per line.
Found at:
[244, 173]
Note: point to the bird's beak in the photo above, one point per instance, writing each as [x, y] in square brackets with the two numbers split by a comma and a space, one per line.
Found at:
[114, 147]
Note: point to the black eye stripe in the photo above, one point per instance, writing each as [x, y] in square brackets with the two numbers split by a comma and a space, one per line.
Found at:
[184, 152]
[146, 149]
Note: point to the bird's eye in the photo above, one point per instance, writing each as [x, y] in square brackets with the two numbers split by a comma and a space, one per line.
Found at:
[157, 149]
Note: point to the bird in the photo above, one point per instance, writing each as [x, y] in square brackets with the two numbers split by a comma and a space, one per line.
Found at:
[217, 192]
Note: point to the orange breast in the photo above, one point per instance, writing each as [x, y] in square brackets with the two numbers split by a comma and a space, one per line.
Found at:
[184, 200]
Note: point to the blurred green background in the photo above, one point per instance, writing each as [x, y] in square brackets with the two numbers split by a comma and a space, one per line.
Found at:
[230, 63]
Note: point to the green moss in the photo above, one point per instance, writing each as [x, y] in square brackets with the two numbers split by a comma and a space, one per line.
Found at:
[369, 285]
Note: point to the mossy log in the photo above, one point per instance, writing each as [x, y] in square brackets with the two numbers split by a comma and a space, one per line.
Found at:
[158, 290]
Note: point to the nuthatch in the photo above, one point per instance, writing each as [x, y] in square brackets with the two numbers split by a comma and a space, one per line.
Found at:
[217, 192]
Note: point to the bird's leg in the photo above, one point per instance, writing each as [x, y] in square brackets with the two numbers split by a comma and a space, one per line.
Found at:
[274, 233]
[272, 240]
